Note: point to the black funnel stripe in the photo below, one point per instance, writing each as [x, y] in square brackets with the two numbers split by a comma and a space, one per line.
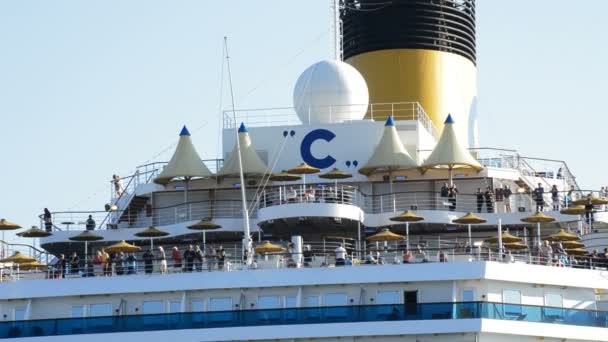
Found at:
[442, 25]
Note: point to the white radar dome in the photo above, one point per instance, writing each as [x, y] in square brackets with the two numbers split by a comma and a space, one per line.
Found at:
[330, 91]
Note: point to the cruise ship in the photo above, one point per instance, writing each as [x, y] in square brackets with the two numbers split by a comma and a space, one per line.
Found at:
[369, 211]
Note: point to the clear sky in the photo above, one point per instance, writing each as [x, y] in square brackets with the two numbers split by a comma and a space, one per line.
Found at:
[92, 88]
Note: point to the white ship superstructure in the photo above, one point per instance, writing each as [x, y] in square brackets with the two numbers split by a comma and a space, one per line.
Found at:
[370, 220]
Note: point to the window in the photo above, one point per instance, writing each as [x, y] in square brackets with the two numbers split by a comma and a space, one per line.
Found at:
[313, 303]
[19, 314]
[175, 306]
[269, 302]
[336, 299]
[220, 304]
[468, 295]
[153, 307]
[467, 309]
[104, 309]
[77, 311]
[512, 297]
[197, 306]
[554, 303]
[291, 302]
[387, 297]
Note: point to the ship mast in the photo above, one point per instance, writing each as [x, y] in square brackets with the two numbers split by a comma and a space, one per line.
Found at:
[246, 230]
[336, 28]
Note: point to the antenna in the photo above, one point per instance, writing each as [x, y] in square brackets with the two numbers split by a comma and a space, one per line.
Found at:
[246, 230]
[336, 28]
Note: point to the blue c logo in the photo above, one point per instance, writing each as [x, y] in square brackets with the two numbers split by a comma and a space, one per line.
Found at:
[309, 139]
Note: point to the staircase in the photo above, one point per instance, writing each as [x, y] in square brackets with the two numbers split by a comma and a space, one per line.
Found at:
[136, 205]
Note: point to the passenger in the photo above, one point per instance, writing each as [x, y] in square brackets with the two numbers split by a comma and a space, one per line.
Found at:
[210, 258]
[453, 191]
[488, 199]
[370, 260]
[162, 260]
[507, 195]
[74, 264]
[307, 256]
[48, 220]
[105, 263]
[118, 186]
[539, 198]
[198, 258]
[131, 264]
[148, 262]
[421, 254]
[546, 253]
[560, 255]
[445, 190]
[310, 194]
[555, 197]
[97, 263]
[442, 256]
[119, 261]
[499, 195]
[407, 256]
[189, 258]
[221, 258]
[340, 255]
[480, 199]
[291, 195]
[177, 259]
[90, 224]
[568, 199]
[61, 266]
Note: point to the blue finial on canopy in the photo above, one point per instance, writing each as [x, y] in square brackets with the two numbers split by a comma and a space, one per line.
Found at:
[242, 128]
[389, 121]
[184, 131]
[449, 119]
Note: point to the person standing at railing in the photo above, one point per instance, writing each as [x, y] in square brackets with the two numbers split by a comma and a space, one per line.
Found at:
[539, 198]
[90, 223]
[211, 258]
[48, 220]
[555, 197]
[118, 186]
[198, 259]
[132, 264]
[545, 253]
[488, 199]
[221, 258]
[452, 193]
[162, 260]
[480, 199]
[74, 264]
[340, 255]
[506, 192]
[61, 266]
[97, 264]
[119, 260]
[177, 259]
[148, 262]
[189, 258]
[499, 197]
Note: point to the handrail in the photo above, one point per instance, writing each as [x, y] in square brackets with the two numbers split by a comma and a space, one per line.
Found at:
[124, 191]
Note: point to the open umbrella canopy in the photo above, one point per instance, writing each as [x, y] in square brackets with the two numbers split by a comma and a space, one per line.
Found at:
[284, 176]
[268, 247]
[152, 232]
[386, 235]
[123, 246]
[34, 265]
[204, 224]
[469, 218]
[6, 225]
[590, 200]
[407, 216]
[572, 244]
[515, 246]
[87, 235]
[336, 174]
[577, 251]
[506, 238]
[563, 235]
[304, 169]
[18, 258]
[574, 210]
[539, 217]
[34, 232]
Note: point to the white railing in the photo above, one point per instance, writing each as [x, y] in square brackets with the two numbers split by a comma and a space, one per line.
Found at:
[342, 194]
[286, 116]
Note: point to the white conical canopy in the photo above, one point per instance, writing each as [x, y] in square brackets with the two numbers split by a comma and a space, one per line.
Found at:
[449, 153]
[390, 154]
[252, 164]
[185, 162]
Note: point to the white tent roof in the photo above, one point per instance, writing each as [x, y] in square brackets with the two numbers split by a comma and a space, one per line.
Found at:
[252, 164]
[449, 153]
[390, 154]
[185, 163]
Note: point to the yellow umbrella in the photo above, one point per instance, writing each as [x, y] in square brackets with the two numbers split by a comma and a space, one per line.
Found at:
[577, 251]
[336, 174]
[469, 219]
[85, 237]
[515, 246]
[34, 232]
[152, 232]
[18, 258]
[123, 246]
[538, 218]
[590, 200]
[575, 210]
[506, 238]
[268, 247]
[6, 225]
[284, 176]
[407, 217]
[386, 235]
[563, 235]
[572, 244]
[34, 265]
[204, 225]
[304, 169]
